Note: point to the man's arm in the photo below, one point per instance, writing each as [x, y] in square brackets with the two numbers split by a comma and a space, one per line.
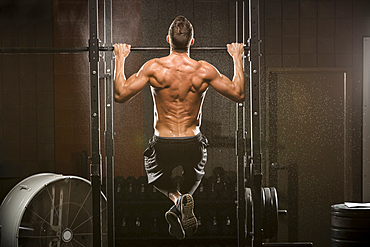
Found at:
[124, 89]
[233, 90]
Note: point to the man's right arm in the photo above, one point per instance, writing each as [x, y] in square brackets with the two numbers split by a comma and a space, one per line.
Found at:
[125, 89]
[233, 90]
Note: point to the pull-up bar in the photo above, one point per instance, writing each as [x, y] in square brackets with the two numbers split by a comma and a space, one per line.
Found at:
[195, 48]
[43, 50]
[73, 50]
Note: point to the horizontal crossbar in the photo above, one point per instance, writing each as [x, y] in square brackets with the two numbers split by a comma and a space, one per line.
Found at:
[298, 244]
[195, 48]
[73, 50]
[43, 50]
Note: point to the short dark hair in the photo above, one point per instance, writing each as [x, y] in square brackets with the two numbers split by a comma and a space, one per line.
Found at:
[181, 33]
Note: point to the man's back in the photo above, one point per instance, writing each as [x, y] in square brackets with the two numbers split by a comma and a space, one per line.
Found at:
[178, 86]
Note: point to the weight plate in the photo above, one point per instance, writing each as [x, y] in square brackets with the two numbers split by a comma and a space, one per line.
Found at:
[249, 206]
[275, 212]
[350, 234]
[268, 208]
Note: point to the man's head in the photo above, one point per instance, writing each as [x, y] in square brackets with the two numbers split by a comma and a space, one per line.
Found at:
[180, 34]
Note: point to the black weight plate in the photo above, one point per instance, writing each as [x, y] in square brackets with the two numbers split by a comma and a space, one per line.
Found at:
[263, 210]
[267, 227]
[275, 212]
[348, 243]
[249, 206]
[349, 222]
[350, 234]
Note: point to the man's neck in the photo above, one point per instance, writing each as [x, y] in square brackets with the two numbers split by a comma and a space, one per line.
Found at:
[180, 52]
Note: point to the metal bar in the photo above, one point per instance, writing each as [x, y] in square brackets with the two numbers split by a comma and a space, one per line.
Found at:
[143, 49]
[298, 244]
[43, 50]
[256, 156]
[95, 121]
[109, 141]
[240, 140]
[74, 50]
[365, 190]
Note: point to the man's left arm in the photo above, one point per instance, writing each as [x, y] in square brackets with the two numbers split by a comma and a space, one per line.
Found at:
[125, 89]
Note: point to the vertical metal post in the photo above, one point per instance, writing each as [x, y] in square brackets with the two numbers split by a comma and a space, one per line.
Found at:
[256, 156]
[240, 140]
[108, 134]
[95, 121]
[366, 122]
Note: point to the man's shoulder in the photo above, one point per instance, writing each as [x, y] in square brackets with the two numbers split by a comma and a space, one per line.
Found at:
[155, 62]
[207, 66]
[204, 63]
[151, 64]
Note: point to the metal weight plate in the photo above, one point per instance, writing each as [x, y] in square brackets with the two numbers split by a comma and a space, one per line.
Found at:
[249, 206]
[274, 212]
[263, 207]
[266, 224]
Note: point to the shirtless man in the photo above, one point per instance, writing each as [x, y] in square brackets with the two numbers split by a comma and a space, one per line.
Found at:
[179, 85]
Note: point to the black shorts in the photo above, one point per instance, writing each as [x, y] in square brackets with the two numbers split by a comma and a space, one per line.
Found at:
[166, 153]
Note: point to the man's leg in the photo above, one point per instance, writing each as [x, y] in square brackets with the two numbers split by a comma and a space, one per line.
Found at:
[174, 196]
[180, 216]
[173, 216]
[193, 174]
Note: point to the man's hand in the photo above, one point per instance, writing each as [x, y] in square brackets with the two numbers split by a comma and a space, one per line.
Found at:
[122, 50]
[235, 49]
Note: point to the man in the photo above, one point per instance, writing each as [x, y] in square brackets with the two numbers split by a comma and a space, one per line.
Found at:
[178, 84]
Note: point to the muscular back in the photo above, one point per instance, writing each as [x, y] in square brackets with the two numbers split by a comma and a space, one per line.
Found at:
[178, 87]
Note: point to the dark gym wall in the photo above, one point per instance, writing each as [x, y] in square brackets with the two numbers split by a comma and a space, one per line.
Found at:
[45, 99]
[312, 52]
[128, 117]
[71, 79]
[72, 94]
[26, 93]
[321, 34]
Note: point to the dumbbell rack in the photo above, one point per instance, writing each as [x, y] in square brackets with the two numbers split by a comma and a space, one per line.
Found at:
[215, 200]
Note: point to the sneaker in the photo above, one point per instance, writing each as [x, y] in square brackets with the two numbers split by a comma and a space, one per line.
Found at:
[188, 220]
[173, 218]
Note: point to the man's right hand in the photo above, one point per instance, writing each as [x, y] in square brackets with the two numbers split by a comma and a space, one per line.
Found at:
[122, 50]
[235, 49]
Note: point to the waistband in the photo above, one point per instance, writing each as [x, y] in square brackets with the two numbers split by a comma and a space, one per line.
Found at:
[183, 139]
[178, 138]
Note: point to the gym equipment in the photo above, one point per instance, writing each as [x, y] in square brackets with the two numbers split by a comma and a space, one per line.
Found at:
[349, 226]
[74, 50]
[49, 210]
[269, 215]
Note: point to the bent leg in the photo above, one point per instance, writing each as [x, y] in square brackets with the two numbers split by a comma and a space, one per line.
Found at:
[165, 185]
[190, 184]
[194, 169]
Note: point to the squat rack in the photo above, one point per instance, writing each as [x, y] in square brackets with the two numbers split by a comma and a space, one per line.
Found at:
[249, 167]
